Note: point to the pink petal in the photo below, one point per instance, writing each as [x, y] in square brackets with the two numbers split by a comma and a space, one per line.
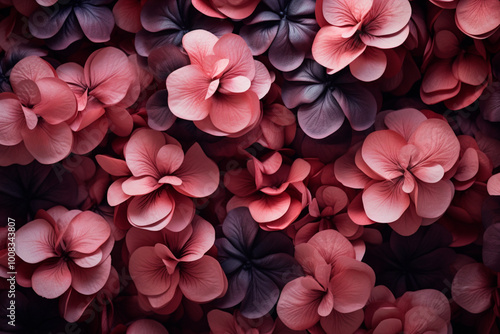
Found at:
[200, 242]
[468, 165]
[387, 17]
[269, 208]
[408, 223]
[337, 322]
[348, 173]
[470, 69]
[90, 113]
[284, 221]
[58, 103]
[147, 210]
[143, 326]
[233, 113]
[387, 41]
[385, 202]
[51, 279]
[199, 174]
[239, 182]
[86, 232]
[141, 185]
[309, 258]
[141, 151]
[49, 143]
[202, 280]
[494, 185]
[35, 241]
[113, 166]
[120, 121]
[116, 195]
[438, 143]
[389, 326]
[126, 14]
[404, 121]
[346, 13]
[422, 318]
[236, 84]
[199, 44]
[370, 65]
[88, 138]
[473, 288]
[261, 82]
[182, 214]
[432, 199]
[12, 121]
[380, 151]
[332, 245]
[438, 78]
[27, 91]
[241, 62]
[73, 304]
[478, 17]
[333, 51]
[429, 174]
[88, 281]
[149, 272]
[187, 88]
[220, 322]
[108, 74]
[30, 68]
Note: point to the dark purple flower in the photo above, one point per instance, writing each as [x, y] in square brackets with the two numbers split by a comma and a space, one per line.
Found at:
[324, 101]
[257, 264]
[285, 27]
[420, 261]
[166, 22]
[68, 21]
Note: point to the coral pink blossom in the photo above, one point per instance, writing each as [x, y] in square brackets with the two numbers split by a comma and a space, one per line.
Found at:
[272, 188]
[333, 292]
[355, 33]
[402, 171]
[33, 119]
[234, 9]
[221, 88]
[68, 249]
[99, 87]
[167, 265]
[159, 180]
[422, 311]
[494, 185]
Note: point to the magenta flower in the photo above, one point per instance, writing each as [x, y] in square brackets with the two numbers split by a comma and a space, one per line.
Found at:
[221, 88]
[159, 180]
[33, 119]
[69, 249]
[402, 171]
[167, 265]
[333, 292]
[355, 33]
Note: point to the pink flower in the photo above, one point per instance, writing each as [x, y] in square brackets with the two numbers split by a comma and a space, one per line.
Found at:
[494, 185]
[422, 311]
[159, 180]
[333, 292]
[402, 171]
[234, 9]
[221, 88]
[355, 33]
[68, 249]
[167, 265]
[272, 188]
[33, 119]
[102, 89]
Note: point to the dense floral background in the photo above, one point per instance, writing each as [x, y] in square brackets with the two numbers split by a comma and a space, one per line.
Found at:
[250, 166]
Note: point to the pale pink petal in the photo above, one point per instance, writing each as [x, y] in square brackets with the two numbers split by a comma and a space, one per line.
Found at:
[30, 68]
[198, 45]
[113, 166]
[182, 214]
[141, 151]
[429, 174]
[149, 272]
[269, 208]
[116, 195]
[58, 103]
[346, 13]
[28, 92]
[169, 159]
[284, 221]
[370, 65]
[146, 326]
[348, 173]
[35, 241]
[51, 279]
[478, 17]
[494, 185]
[88, 281]
[144, 211]
[439, 76]
[48, 143]
[387, 17]
[262, 80]
[12, 120]
[199, 174]
[385, 202]
[421, 318]
[202, 280]
[467, 166]
[86, 232]
[90, 113]
[141, 185]
[471, 69]
[333, 51]
[387, 41]
[234, 48]
[404, 121]
[380, 151]
[432, 199]
[332, 245]
[233, 113]
[200, 241]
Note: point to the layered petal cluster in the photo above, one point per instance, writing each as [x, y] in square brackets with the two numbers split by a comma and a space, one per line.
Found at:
[165, 22]
[331, 297]
[234, 9]
[166, 266]
[102, 88]
[221, 88]
[159, 180]
[422, 311]
[456, 69]
[402, 172]
[33, 119]
[257, 263]
[325, 101]
[355, 33]
[63, 22]
[271, 188]
[67, 249]
[285, 29]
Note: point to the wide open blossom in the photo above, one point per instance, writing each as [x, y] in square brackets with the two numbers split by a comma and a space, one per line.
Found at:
[234, 9]
[422, 311]
[355, 33]
[257, 263]
[272, 188]
[64, 22]
[402, 171]
[285, 28]
[67, 249]
[167, 21]
[324, 101]
[166, 266]
[33, 119]
[456, 67]
[333, 292]
[221, 88]
[159, 179]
